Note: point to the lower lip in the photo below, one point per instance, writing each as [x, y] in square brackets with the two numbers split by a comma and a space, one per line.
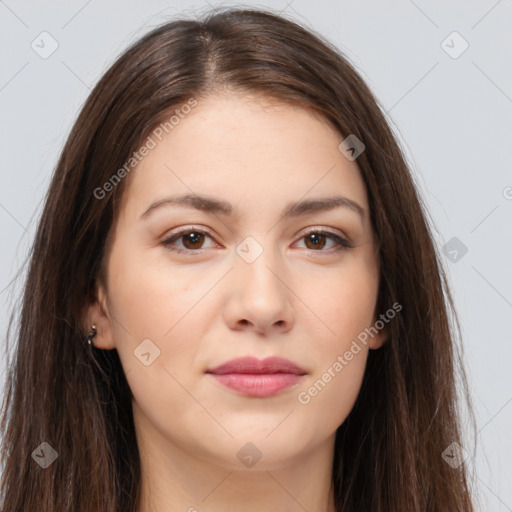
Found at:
[258, 385]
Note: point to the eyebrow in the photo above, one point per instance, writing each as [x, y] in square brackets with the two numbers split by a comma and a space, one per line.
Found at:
[296, 209]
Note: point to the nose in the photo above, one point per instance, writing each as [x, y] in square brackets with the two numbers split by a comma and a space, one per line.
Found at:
[259, 299]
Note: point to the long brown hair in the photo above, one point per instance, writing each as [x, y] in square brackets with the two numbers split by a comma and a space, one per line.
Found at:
[388, 452]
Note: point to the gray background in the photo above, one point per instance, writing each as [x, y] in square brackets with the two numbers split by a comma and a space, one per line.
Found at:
[452, 114]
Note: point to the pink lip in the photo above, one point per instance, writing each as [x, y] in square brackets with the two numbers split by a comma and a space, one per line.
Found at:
[258, 378]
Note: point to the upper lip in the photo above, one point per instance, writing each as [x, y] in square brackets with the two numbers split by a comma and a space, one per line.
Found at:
[257, 366]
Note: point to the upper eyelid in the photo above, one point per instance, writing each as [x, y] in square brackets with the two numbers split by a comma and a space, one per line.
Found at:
[319, 228]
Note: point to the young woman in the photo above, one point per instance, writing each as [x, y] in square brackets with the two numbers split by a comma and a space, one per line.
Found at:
[234, 301]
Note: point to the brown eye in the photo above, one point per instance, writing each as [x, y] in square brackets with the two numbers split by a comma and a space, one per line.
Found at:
[316, 240]
[191, 240]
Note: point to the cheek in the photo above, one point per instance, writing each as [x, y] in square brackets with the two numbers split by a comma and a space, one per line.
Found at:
[157, 326]
[345, 301]
[157, 333]
[150, 299]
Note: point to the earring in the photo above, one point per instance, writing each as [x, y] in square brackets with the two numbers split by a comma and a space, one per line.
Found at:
[91, 334]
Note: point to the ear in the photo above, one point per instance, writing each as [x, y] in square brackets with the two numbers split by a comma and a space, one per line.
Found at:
[382, 336]
[97, 313]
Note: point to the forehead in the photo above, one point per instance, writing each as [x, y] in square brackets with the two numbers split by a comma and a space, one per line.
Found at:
[249, 150]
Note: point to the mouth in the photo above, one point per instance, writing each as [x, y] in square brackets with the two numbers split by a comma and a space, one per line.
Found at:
[258, 378]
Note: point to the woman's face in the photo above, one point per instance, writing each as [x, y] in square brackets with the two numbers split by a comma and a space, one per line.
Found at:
[193, 284]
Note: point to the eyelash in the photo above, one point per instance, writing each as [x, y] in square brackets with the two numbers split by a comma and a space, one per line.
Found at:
[342, 243]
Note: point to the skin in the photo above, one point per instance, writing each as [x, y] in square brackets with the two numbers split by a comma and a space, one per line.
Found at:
[297, 300]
